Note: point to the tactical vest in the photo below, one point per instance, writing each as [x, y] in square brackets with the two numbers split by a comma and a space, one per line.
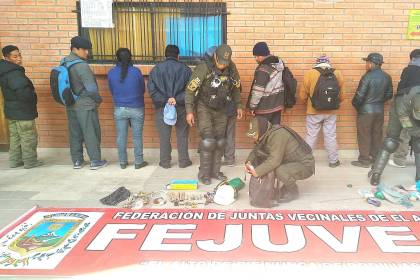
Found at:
[216, 90]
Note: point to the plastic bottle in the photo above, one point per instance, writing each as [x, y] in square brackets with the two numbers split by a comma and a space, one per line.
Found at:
[380, 195]
[418, 185]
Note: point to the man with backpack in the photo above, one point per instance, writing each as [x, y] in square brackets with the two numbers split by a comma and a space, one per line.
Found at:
[322, 90]
[267, 91]
[83, 120]
[375, 88]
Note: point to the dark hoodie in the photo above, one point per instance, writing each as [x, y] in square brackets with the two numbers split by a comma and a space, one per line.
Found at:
[19, 93]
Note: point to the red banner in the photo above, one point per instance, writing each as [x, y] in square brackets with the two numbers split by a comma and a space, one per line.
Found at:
[76, 241]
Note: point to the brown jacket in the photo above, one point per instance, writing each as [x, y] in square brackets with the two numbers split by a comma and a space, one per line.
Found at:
[307, 90]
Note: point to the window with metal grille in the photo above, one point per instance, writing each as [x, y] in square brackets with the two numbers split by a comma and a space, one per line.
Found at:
[147, 27]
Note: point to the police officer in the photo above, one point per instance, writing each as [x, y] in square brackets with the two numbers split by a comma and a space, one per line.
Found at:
[214, 82]
[404, 113]
[282, 150]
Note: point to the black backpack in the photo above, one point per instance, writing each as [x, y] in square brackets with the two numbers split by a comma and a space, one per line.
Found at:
[326, 92]
[290, 85]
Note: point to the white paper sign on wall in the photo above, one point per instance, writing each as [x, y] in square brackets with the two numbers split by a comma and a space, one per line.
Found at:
[96, 13]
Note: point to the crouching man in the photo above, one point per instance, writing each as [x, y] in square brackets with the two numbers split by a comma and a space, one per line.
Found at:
[282, 150]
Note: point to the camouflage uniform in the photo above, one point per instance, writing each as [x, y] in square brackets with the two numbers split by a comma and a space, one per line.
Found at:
[404, 114]
[208, 93]
[401, 115]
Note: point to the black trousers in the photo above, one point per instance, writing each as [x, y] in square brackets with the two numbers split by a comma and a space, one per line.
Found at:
[369, 135]
[273, 118]
[165, 131]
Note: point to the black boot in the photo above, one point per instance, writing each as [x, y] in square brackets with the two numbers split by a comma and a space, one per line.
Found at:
[288, 193]
[217, 160]
[207, 147]
[381, 161]
[205, 167]
[417, 161]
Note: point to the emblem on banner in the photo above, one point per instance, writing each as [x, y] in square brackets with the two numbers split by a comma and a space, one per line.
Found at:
[44, 239]
[44, 236]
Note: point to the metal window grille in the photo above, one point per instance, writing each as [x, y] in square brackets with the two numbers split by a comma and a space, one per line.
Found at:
[147, 27]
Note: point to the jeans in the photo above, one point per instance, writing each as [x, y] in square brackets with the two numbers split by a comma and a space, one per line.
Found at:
[125, 116]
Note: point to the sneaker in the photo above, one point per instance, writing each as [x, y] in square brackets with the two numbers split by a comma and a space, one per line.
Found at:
[123, 165]
[359, 163]
[205, 180]
[219, 176]
[140, 165]
[288, 193]
[78, 164]
[97, 164]
[36, 164]
[184, 165]
[16, 165]
[335, 164]
[395, 164]
[165, 165]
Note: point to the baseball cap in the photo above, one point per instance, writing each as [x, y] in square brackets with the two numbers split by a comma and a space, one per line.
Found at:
[80, 42]
[376, 58]
[169, 114]
[223, 54]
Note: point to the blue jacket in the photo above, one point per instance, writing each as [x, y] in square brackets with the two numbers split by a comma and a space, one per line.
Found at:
[168, 79]
[130, 92]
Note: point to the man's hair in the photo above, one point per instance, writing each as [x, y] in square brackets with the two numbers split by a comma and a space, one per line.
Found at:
[8, 49]
[172, 51]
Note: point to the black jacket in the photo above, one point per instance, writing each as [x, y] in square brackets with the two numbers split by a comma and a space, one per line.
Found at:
[410, 77]
[375, 88]
[168, 79]
[19, 93]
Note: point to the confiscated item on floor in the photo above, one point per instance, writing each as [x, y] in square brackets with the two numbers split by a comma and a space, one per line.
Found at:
[182, 185]
[373, 201]
[395, 195]
[236, 183]
[187, 199]
[262, 191]
[225, 195]
[141, 199]
[116, 197]
[366, 192]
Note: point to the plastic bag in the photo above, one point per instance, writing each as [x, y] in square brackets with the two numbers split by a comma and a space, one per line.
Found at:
[395, 195]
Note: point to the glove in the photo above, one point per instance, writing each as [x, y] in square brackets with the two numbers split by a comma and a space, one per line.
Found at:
[116, 197]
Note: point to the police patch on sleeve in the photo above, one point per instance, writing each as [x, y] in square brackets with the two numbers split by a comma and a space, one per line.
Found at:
[236, 83]
[194, 84]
